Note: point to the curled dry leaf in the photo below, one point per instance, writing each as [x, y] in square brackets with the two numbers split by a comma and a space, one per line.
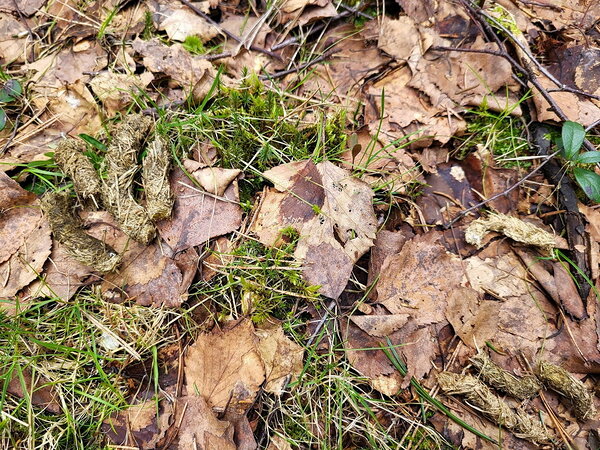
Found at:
[182, 23]
[197, 216]
[331, 210]
[220, 363]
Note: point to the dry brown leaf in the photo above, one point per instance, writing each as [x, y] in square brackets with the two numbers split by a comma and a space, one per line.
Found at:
[196, 216]
[149, 274]
[373, 364]
[25, 7]
[182, 23]
[199, 427]
[19, 218]
[39, 390]
[13, 40]
[386, 244]
[290, 10]
[354, 60]
[282, 357]
[577, 14]
[139, 425]
[62, 275]
[409, 114]
[575, 108]
[193, 74]
[419, 278]
[221, 362]
[25, 239]
[331, 210]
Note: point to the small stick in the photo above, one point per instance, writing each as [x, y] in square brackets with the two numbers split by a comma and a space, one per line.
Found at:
[500, 194]
[283, 73]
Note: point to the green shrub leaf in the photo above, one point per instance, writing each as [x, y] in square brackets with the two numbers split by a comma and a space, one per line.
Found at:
[10, 91]
[588, 157]
[589, 182]
[2, 119]
[573, 135]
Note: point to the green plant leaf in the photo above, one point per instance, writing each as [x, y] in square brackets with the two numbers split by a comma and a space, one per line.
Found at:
[589, 182]
[573, 135]
[10, 90]
[93, 142]
[2, 119]
[588, 157]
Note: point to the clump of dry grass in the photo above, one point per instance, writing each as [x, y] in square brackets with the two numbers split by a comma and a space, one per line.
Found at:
[66, 226]
[561, 381]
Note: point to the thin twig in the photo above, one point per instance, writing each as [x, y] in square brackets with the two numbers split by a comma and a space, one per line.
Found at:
[283, 73]
[500, 194]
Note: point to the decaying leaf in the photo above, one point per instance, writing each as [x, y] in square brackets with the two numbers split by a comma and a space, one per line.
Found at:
[193, 74]
[198, 216]
[25, 240]
[199, 427]
[139, 424]
[281, 356]
[223, 361]
[331, 210]
[37, 388]
[61, 277]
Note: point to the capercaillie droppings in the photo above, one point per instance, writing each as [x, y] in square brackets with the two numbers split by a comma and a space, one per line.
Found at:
[67, 228]
[155, 177]
[518, 387]
[70, 158]
[561, 381]
[121, 167]
[519, 422]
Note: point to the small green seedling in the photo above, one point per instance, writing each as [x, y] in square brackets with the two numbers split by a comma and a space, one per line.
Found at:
[572, 137]
[9, 92]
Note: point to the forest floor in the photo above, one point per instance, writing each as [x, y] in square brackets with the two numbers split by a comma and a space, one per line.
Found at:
[299, 224]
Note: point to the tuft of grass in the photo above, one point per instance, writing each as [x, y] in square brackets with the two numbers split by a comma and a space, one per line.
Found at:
[257, 281]
[78, 349]
[500, 132]
[254, 128]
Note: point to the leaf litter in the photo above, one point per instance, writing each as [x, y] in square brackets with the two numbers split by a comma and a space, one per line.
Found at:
[354, 222]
